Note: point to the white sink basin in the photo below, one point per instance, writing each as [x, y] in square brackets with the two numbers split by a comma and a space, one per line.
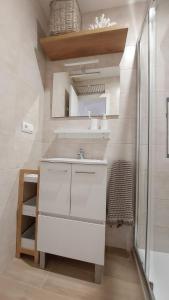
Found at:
[75, 161]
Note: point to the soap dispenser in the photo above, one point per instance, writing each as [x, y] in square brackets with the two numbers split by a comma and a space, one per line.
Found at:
[104, 123]
[93, 122]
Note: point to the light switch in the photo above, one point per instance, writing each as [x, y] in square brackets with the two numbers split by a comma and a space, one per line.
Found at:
[27, 127]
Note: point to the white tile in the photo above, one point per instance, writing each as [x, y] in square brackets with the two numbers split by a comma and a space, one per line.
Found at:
[160, 236]
[119, 237]
[128, 104]
[160, 183]
[129, 58]
[161, 212]
[159, 107]
[127, 80]
[160, 161]
[159, 131]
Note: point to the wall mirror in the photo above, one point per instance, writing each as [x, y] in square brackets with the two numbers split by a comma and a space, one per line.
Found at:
[86, 87]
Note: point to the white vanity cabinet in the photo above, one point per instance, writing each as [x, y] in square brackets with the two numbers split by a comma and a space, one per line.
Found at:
[72, 210]
[54, 192]
[71, 238]
[88, 192]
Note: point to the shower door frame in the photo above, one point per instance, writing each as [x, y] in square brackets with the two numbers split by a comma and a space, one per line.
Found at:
[151, 39]
[138, 143]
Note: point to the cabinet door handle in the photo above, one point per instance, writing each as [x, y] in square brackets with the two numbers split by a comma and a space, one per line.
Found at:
[57, 171]
[85, 172]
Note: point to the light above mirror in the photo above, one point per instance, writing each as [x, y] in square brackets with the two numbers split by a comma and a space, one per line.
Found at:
[81, 63]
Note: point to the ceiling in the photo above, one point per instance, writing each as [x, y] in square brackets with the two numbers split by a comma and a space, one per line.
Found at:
[92, 5]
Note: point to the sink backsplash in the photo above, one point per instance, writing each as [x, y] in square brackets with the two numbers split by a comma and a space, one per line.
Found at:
[67, 148]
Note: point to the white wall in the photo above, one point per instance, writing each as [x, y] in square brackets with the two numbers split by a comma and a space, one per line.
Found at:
[22, 70]
[123, 130]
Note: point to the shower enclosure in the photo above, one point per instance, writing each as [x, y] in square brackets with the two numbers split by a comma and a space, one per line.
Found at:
[152, 192]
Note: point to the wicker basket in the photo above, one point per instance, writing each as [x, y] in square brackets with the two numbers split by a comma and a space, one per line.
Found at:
[64, 17]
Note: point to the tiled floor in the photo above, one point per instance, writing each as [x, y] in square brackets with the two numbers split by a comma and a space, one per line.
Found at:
[67, 279]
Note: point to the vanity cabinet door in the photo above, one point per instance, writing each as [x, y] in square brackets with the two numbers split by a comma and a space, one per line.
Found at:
[54, 193]
[88, 192]
[70, 238]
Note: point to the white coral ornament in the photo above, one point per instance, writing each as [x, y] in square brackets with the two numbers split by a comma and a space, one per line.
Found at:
[102, 22]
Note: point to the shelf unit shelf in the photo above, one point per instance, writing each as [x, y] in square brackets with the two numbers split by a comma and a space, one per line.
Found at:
[28, 238]
[29, 207]
[85, 43]
[31, 178]
[27, 214]
[82, 134]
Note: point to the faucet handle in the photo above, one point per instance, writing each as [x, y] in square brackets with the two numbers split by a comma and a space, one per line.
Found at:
[78, 155]
[81, 153]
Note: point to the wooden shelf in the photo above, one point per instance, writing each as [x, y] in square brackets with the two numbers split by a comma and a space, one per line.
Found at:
[85, 43]
[28, 238]
[29, 207]
[31, 178]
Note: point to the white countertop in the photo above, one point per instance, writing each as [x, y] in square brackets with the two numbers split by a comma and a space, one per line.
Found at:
[75, 161]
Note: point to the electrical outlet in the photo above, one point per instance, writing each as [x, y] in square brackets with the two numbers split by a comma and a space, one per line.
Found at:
[27, 127]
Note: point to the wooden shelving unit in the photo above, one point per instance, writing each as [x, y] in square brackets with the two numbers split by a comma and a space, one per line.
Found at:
[85, 43]
[27, 214]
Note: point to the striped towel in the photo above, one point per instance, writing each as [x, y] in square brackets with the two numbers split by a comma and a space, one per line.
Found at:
[120, 208]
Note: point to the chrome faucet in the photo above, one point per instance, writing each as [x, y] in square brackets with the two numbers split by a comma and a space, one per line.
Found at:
[81, 154]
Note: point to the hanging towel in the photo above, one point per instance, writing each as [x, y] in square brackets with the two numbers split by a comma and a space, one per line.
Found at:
[120, 206]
